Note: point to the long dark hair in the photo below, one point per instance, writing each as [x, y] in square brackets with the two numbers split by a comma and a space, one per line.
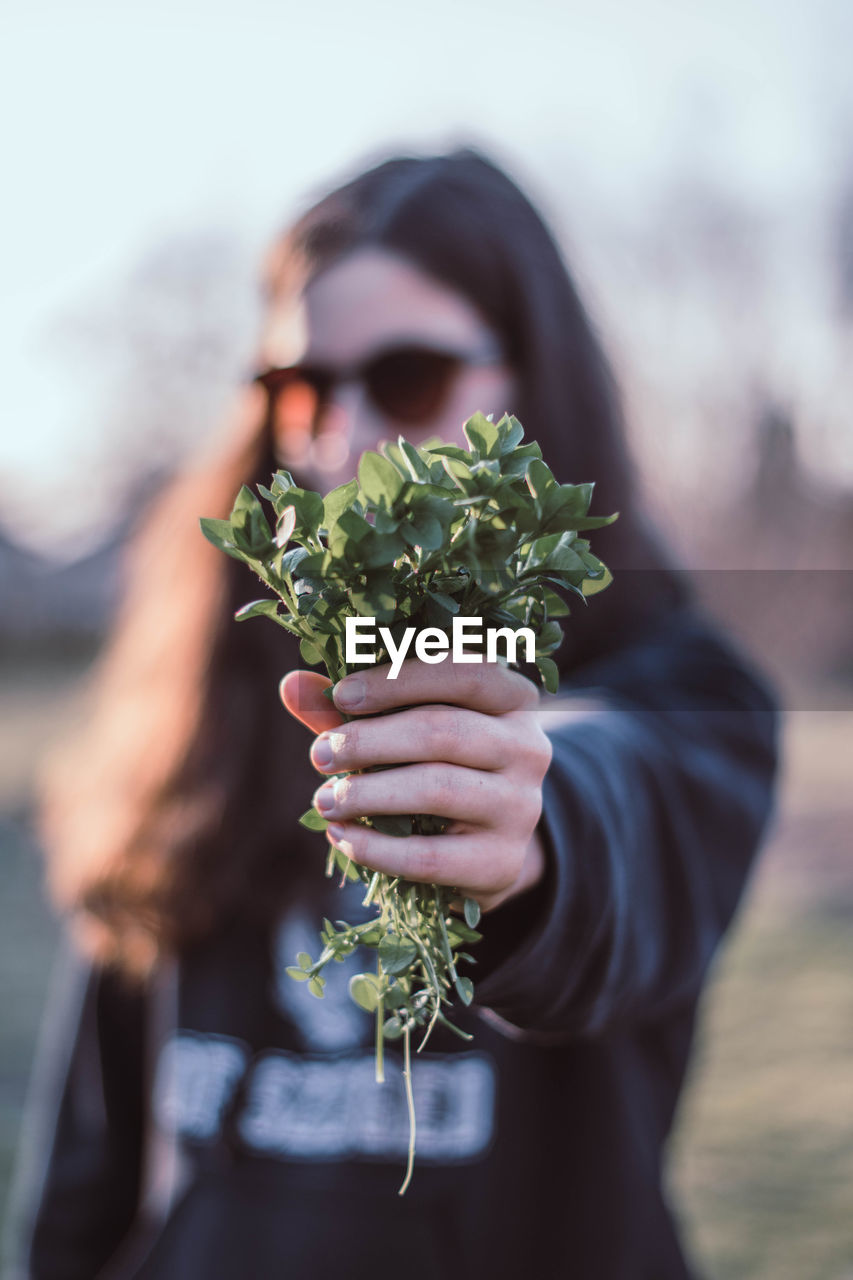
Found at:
[178, 810]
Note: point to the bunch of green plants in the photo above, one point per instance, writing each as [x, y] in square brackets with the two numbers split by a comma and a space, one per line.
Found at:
[421, 535]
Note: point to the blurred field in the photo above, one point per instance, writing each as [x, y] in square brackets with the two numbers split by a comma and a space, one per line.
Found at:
[763, 1157]
[762, 1167]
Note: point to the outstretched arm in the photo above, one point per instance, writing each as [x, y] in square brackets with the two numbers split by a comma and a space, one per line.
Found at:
[654, 806]
[609, 906]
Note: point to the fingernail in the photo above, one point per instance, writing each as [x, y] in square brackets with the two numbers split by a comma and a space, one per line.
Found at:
[321, 753]
[335, 833]
[350, 693]
[324, 799]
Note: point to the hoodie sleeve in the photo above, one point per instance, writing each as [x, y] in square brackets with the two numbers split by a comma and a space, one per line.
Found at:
[79, 1167]
[652, 813]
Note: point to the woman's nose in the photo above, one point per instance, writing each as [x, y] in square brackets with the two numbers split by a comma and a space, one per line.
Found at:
[349, 426]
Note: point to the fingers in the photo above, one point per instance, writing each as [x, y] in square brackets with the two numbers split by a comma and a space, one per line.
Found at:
[451, 734]
[478, 866]
[466, 795]
[488, 687]
[302, 694]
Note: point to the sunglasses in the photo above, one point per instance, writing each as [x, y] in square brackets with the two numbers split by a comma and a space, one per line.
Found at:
[408, 383]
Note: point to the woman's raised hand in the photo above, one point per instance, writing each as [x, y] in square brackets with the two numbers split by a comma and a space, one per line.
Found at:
[467, 746]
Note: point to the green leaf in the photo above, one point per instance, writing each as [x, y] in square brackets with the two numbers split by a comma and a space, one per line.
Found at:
[382, 549]
[511, 433]
[285, 525]
[446, 602]
[550, 636]
[311, 652]
[386, 521]
[423, 530]
[258, 609]
[309, 509]
[415, 464]
[392, 452]
[539, 478]
[521, 454]
[248, 522]
[304, 960]
[379, 479]
[364, 990]
[472, 912]
[556, 606]
[317, 564]
[396, 954]
[298, 975]
[376, 599]
[451, 451]
[312, 820]
[316, 985]
[465, 989]
[392, 824]
[550, 673]
[219, 533]
[593, 522]
[350, 528]
[482, 435]
[563, 557]
[346, 866]
[459, 931]
[574, 499]
[291, 560]
[592, 586]
[395, 996]
[338, 501]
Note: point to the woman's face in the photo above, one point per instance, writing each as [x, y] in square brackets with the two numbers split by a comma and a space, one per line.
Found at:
[373, 349]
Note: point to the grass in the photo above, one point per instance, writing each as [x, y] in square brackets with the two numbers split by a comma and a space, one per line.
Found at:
[762, 1159]
[762, 1162]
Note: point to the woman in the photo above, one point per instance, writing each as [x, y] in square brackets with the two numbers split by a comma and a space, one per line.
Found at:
[213, 1120]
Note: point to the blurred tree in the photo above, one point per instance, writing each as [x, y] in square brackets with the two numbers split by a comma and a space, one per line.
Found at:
[841, 243]
[168, 347]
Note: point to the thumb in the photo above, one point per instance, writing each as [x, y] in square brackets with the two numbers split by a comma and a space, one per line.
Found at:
[302, 694]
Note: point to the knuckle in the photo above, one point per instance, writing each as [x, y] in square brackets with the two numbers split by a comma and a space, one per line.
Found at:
[443, 788]
[435, 733]
[505, 741]
[467, 677]
[452, 732]
[428, 862]
[543, 750]
[527, 808]
[533, 748]
[529, 696]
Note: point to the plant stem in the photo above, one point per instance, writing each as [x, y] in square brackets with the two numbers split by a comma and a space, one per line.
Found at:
[380, 1030]
[410, 1099]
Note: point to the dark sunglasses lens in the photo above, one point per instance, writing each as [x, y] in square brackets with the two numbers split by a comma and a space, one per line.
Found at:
[411, 385]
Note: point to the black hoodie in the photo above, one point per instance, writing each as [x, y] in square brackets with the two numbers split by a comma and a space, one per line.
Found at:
[225, 1125]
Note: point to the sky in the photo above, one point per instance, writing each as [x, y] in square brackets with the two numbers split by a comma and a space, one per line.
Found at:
[125, 126]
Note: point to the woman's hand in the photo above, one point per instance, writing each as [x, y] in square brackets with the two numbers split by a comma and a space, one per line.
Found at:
[468, 746]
